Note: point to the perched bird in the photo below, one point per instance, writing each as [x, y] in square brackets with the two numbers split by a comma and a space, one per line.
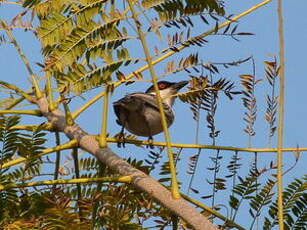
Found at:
[139, 112]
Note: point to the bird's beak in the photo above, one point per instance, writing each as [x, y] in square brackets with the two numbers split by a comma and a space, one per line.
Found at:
[180, 85]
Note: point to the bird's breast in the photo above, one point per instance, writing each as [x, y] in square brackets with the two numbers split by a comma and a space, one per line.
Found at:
[147, 123]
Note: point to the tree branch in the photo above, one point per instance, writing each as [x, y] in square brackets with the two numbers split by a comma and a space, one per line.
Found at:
[139, 179]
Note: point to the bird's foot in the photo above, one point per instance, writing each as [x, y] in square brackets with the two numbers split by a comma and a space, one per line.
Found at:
[150, 143]
[121, 140]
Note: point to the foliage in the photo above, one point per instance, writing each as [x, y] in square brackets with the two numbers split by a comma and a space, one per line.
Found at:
[249, 83]
[87, 44]
[271, 74]
[22, 144]
[77, 35]
[295, 203]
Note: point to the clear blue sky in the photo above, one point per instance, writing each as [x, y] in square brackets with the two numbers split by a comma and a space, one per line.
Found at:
[263, 23]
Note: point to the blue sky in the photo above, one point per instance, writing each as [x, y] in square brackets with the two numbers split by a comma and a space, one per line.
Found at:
[263, 23]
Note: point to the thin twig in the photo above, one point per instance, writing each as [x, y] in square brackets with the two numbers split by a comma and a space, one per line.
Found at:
[8, 2]
[281, 115]
[22, 112]
[227, 148]
[58, 156]
[105, 109]
[174, 183]
[67, 145]
[77, 173]
[24, 59]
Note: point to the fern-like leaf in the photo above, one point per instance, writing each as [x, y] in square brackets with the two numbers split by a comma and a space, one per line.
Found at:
[8, 138]
[271, 74]
[294, 203]
[176, 10]
[262, 198]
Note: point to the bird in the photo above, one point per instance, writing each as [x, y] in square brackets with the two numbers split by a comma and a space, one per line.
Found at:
[139, 112]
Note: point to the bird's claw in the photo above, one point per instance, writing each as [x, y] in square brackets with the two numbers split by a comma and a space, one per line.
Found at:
[150, 143]
[121, 140]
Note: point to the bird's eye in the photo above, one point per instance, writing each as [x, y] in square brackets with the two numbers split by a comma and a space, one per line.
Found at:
[162, 85]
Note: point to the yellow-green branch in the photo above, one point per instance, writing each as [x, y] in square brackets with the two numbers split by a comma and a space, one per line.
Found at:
[217, 147]
[21, 54]
[46, 126]
[17, 90]
[280, 116]
[68, 145]
[174, 183]
[16, 102]
[123, 179]
[24, 112]
[52, 105]
[24, 59]
[103, 132]
[170, 53]
[68, 116]
[73, 143]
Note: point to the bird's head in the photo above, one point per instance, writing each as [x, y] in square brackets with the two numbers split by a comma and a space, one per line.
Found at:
[167, 89]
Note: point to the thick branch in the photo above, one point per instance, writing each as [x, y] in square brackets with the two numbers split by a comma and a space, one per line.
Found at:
[139, 179]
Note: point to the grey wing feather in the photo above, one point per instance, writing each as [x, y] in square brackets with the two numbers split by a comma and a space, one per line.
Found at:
[150, 100]
[126, 104]
[137, 101]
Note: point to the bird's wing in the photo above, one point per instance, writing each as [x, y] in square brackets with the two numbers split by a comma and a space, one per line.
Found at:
[126, 104]
[151, 101]
[137, 101]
